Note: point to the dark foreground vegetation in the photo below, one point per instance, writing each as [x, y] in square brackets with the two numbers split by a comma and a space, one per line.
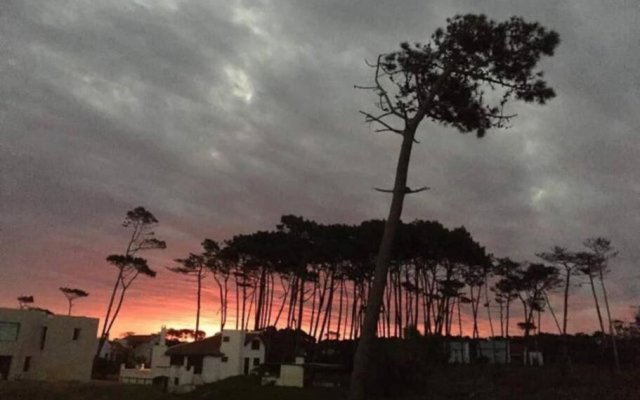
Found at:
[450, 382]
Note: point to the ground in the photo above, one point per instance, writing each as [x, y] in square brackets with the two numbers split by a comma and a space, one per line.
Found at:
[464, 382]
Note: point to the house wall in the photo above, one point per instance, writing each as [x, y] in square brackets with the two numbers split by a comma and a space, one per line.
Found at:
[291, 375]
[62, 357]
[233, 352]
[495, 351]
[459, 353]
[236, 351]
[139, 376]
[247, 352]
[211, 369]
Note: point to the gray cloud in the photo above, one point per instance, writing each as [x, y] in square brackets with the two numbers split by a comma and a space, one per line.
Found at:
[221, 116]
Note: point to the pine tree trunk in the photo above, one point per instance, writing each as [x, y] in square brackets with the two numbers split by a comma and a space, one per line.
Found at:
[365, 345]
[198, 304]
[616, 358]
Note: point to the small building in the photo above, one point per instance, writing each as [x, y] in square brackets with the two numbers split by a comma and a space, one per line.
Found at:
[459, 352]
[184, 366]
[36, 344]
[291, 375]
[141, 346]
[492, 351]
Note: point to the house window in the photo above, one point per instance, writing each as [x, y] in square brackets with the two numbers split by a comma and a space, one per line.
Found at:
[43, 337]
[225, 359]
[176, 381]
[76, 333]
[176, 360]
[256, 362]
[225, 339]
[195, 362]
[255, 344]
[9, 331]
[27, 364]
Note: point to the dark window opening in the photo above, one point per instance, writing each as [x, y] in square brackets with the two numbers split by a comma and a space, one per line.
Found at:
[176, 381]
[196, 363]
[5, 366]
[225, 359]
[27, 364]
[255, 344]
[43, 337]
[256, 362]
[225, 339]
[246, 366]
[176, 360]
[76, 333]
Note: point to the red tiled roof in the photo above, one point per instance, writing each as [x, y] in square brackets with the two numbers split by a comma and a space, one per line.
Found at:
[206, 347]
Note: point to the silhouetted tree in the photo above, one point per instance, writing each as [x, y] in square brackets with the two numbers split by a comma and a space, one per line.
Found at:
[601, 252]
[446, 81]
[184, 334]
[568, 263]
[72, 294]
[140, 222]
[196, 265]
[25, 302]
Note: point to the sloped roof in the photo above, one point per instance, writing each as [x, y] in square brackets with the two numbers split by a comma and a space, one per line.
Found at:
[134, 340]
[205, 347]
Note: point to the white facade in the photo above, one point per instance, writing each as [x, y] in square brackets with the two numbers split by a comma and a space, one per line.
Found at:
[37, 345]
[239, 357]
[291, 375]
[493, 351]
[185, 366]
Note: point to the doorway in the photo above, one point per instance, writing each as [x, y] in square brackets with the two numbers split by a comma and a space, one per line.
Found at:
[5, 367]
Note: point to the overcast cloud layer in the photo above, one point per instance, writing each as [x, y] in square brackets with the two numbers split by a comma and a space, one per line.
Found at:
[220, 116]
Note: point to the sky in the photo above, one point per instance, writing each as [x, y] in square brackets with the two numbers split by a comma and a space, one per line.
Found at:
[221, 116]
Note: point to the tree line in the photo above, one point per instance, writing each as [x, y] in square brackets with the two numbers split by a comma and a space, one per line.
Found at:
[305, 275]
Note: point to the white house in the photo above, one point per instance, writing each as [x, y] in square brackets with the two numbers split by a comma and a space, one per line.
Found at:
[141, 346]
[36, 344]
[492, 351]
[187, 365]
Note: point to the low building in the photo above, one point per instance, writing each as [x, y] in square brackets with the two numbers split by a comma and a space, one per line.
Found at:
[141, 346]
[492, 351]
[36, 344]
[187, 365]
[459, 352]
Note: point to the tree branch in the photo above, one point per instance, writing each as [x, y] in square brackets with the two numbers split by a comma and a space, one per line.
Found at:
[372, 118]
[407, 190]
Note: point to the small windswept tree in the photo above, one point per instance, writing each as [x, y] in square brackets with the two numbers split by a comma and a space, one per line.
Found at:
[72, 294]
[568, 265]
[140, 222]
[25, 302]
[600, 251]
[196, 265]
[451, 80]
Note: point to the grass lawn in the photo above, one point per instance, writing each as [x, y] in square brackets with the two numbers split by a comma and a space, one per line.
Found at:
[449, 382]
[96, 390]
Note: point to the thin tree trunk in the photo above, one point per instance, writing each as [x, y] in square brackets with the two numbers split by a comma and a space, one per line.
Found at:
[361, 359]
[488, 305]
[597, 303]
[459, 318]
[553, 314]
[198, 304]
[616, 359]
